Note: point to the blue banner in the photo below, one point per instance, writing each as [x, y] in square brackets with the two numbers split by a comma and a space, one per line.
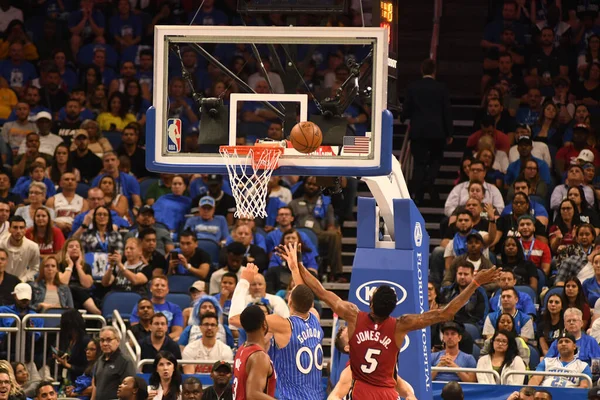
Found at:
[497, 392]
[403, 266]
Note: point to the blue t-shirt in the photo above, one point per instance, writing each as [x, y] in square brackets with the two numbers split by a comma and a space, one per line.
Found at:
[83, 115]
[70, 79]
[526, 115]
[535, 209]
[463, 360]
[215, 17]
[591, 289]
[132, 25]
[116, 219]
[587, 348]
[86, 54]
[525, 304]
[274, 239]
[171, 311]
[215, 229]
[127, 185]
[76, 17]
[520, 319]
[17, 75]
[514, 169]
[22, 187]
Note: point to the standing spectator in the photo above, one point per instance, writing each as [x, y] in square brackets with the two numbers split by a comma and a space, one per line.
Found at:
[208, 225]
[14, 133]
[118, 116]
[48, 141]
[429, 119]
[7, 281]
[126, 184]
[83, 383]
[23, 254]
[452, 357]
[208, 348]
[503, 357]
[48, 291]
[73, 342]
[158, 341]
[130, 148]
[112, 367]
[126, 27]
[67, 204]
[145, 309]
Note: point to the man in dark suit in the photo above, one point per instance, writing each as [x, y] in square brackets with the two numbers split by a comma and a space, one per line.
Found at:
[427, 105]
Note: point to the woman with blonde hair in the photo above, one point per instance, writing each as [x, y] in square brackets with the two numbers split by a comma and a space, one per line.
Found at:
[47, 290]
[77, 274]
[16, 391]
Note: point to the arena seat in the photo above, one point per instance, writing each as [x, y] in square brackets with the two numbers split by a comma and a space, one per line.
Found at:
[121, 301]
[182, 300]
[181, 283]
[312, 236]
[528, 290]
[212, 248]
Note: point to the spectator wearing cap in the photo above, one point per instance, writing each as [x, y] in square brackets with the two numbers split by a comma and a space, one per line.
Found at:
[575, 177]
[48, 140]
[171, 208]
[452, 357]
[488, 128]
[473, 312]
[525, 147]
[221, 376]
[474, 255]
[207, 225]
[457, 246]
[126, 184]
[189, 259]
[88, 163]
[20, 306]
[224, 203]
[540, 149]
[235, 259]
[578, 152]
[565, 359]
[14, 132]
[197, 290]
[130, 148]
[146, 219]
[587, 346]
[509, 297]
[193, 332]
[528, 114]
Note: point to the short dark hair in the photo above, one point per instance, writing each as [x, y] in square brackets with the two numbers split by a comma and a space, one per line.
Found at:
[486, 121]
[545, 392]
[192, 380]
[466, 264]
[510, 290]
[159, 315]
[477, 162]
[252, 318]
[452, 391]
[521, 180]
[230, 275]
[16, 218]
[384, 301]
[302, 298]
[145, 232]
[188, 233]
[504, 54]
[209, 314]
[140, 301]
[236, 248]
[147, 52]
[465, 212]
[428, 67]
[40, 385]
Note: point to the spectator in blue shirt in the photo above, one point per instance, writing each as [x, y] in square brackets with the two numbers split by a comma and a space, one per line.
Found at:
[509, 298]
[22, 294]
[126, 27]
[308, 256]
[524, 147]
[159, 287]
[208, 15]
[17, 72]
[591, 286]
[508, 281]
[127, 185]
[452, 357]
[86, 26]
[587, 345]
[530, 113]
[208, 225]
[536, 209]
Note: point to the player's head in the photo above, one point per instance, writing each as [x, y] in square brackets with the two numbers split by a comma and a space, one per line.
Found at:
[253, 320]
[383, 301]
[341, 340]
[452, 391]
[302, 299]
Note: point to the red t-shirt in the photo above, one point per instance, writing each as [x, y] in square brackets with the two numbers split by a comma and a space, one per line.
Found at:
[241, 375]
[501, 140]
[538, 254]
[569, 155]
[48, 248]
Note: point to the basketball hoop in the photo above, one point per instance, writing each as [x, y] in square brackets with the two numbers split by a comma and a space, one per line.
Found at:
[250, 169]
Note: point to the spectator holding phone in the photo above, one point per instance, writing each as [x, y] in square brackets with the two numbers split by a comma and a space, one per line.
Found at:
[131, 276]
[102, 236]
[189, 259]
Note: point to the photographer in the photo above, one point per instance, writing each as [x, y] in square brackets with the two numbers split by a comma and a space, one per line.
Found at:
[131, 276]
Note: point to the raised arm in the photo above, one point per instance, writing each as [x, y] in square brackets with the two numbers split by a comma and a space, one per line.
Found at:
[412, 322]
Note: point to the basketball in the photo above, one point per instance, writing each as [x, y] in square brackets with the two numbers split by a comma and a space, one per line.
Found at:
[306, 137]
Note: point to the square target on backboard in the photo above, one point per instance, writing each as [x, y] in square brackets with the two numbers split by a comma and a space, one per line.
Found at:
[224, 86]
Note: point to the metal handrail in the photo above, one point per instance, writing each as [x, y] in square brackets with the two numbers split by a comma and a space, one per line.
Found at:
[452, 369]
[147, 361]
[118, 323]
[136, 351]
[12, 329]
[549, 373]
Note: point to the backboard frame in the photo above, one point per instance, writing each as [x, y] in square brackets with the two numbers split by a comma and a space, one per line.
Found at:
[379, 163]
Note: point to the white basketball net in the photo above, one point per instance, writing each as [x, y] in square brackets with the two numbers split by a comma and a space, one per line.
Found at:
[249, 174]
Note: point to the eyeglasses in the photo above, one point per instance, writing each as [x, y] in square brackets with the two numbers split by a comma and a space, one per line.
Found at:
[35, 192]
[5, 383]
[106, 340]
[566, 208]
[102, 214]
[501, 341]
[209, 325]
[531, 168]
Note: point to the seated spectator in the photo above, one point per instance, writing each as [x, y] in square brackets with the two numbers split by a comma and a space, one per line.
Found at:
[492, 175]
[574, 297]
[524, 147]
[551, 323]
[228, 283]
[165, 381]
[192, 388]
[150, 256]
[23, 254]
[159, 288]
[7, 281]
[133, 151]
[162, 187]
[77, 274]
[572, 259]
[22, 378]
[20, 306]
[130, 276]
[84, 219]
[146, 220]
[86, 25]
[128, 186]
[276, 190]
[189, 260]
[36, 175]
[500, 139]
[48, 291]
[591, 286]
[587, 215]
[285, 222]
[566, 360]
[11, 390]
[563, 100]
[82, 385]
[507, 323]
[207, 225]
[308, 256]
[242, 233]
[181, 106]
[137, 94]
[460, 193]
[548, 62]
[508, 281]
[61, 164]
[475, 247]
[452, 357]
[569, 154]
[500, 158]
[527, 115]
[8, 198]
[563, 232]
[221, 388]
[67, 204]
[235, 260]
[575, 177]
[67, 128]
[83, 159]
[80, 113]
[145, 310]
[502, 358]
[96, 143]
[133, 388]
[473, 311]
[208, 347]
[49, 238]
[48, 141]
[524, 185]
[192, 332]
[502, 120]
[523, 322]
[112, 197]
[457, 246]
[540, 150]
[158, 341]
[224, 203]
[581, 116]
[25, 162]
[125, 27]
[587, 346]
[15, 131]
[119, 116]
[101, 236]
[172, 208]
[588, 91]
[17, 71]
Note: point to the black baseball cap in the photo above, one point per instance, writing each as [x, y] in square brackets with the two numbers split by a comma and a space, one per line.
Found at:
[475, 235]
[525, 140]
[223, 365]
[146, 209]
[452, 325]
[214, 179]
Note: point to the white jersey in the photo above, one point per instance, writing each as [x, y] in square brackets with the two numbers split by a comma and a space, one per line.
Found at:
[553, 364]
[65, 210]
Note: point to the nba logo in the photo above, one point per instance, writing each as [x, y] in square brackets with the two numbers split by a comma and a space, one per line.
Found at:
[174, 135]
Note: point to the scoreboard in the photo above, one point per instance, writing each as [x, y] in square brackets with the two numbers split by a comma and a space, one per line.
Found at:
[385, 15]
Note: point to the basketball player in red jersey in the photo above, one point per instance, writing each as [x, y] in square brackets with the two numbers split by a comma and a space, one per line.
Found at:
[376, 338]
[254, 376]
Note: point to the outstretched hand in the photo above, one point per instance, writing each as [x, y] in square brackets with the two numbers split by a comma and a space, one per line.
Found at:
[485, 276]
[289, 252]
[249, 272]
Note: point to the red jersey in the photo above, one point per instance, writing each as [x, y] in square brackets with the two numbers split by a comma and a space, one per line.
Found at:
[240, 374]
[373, 351]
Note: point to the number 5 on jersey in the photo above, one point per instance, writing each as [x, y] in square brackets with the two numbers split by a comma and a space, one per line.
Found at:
[370, 358]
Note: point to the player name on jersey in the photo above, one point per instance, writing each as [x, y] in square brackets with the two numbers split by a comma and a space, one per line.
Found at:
[308, 333]
[373, 336]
